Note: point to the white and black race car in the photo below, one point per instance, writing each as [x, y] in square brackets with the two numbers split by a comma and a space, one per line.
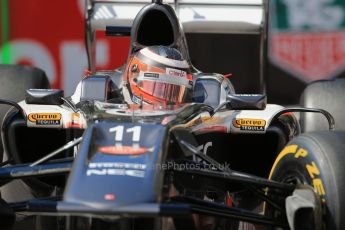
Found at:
[93, 161]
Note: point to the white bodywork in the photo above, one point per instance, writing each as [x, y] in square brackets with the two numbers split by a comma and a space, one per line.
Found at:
[230, 121]
[53, 116]
[256, 121]
[196, 16]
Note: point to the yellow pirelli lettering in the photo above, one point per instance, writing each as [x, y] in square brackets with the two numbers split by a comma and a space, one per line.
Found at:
[312, 170]
[318, 186]
[290, 149]
[301, 153]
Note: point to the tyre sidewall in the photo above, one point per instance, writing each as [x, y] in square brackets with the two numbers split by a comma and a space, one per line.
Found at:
[317, 159]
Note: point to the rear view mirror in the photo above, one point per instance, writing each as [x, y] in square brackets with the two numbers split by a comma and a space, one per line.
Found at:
[246, 101]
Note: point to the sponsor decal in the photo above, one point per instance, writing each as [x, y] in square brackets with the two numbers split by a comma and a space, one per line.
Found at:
[116, 169]
[45, 118]
[115, 172]
[122, 150]
[176, 72]
[75, 117]
[151, 75]
[75, 121]
[307, 37]
[204, 148]
[109, 197]
[249, 124]
[136, 99]
[165, 78]
[121, 165]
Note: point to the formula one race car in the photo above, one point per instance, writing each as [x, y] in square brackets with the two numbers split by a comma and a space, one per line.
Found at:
[157, 144]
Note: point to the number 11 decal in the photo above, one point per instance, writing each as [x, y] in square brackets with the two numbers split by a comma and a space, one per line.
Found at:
[136, 132]
[118, 130]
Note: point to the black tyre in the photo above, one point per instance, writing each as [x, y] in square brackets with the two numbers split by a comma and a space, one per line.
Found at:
[317, 159]
[14, 81]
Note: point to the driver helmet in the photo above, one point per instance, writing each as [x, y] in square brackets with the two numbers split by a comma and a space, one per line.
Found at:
[158, 75]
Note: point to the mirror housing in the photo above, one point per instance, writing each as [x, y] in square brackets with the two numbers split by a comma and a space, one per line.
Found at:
[44, 96]
[246, 101]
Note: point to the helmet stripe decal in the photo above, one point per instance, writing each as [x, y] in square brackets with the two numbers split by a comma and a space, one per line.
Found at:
[174, 63]
[164, 78]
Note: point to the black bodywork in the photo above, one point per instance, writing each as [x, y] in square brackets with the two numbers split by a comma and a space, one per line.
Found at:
[140, 185]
